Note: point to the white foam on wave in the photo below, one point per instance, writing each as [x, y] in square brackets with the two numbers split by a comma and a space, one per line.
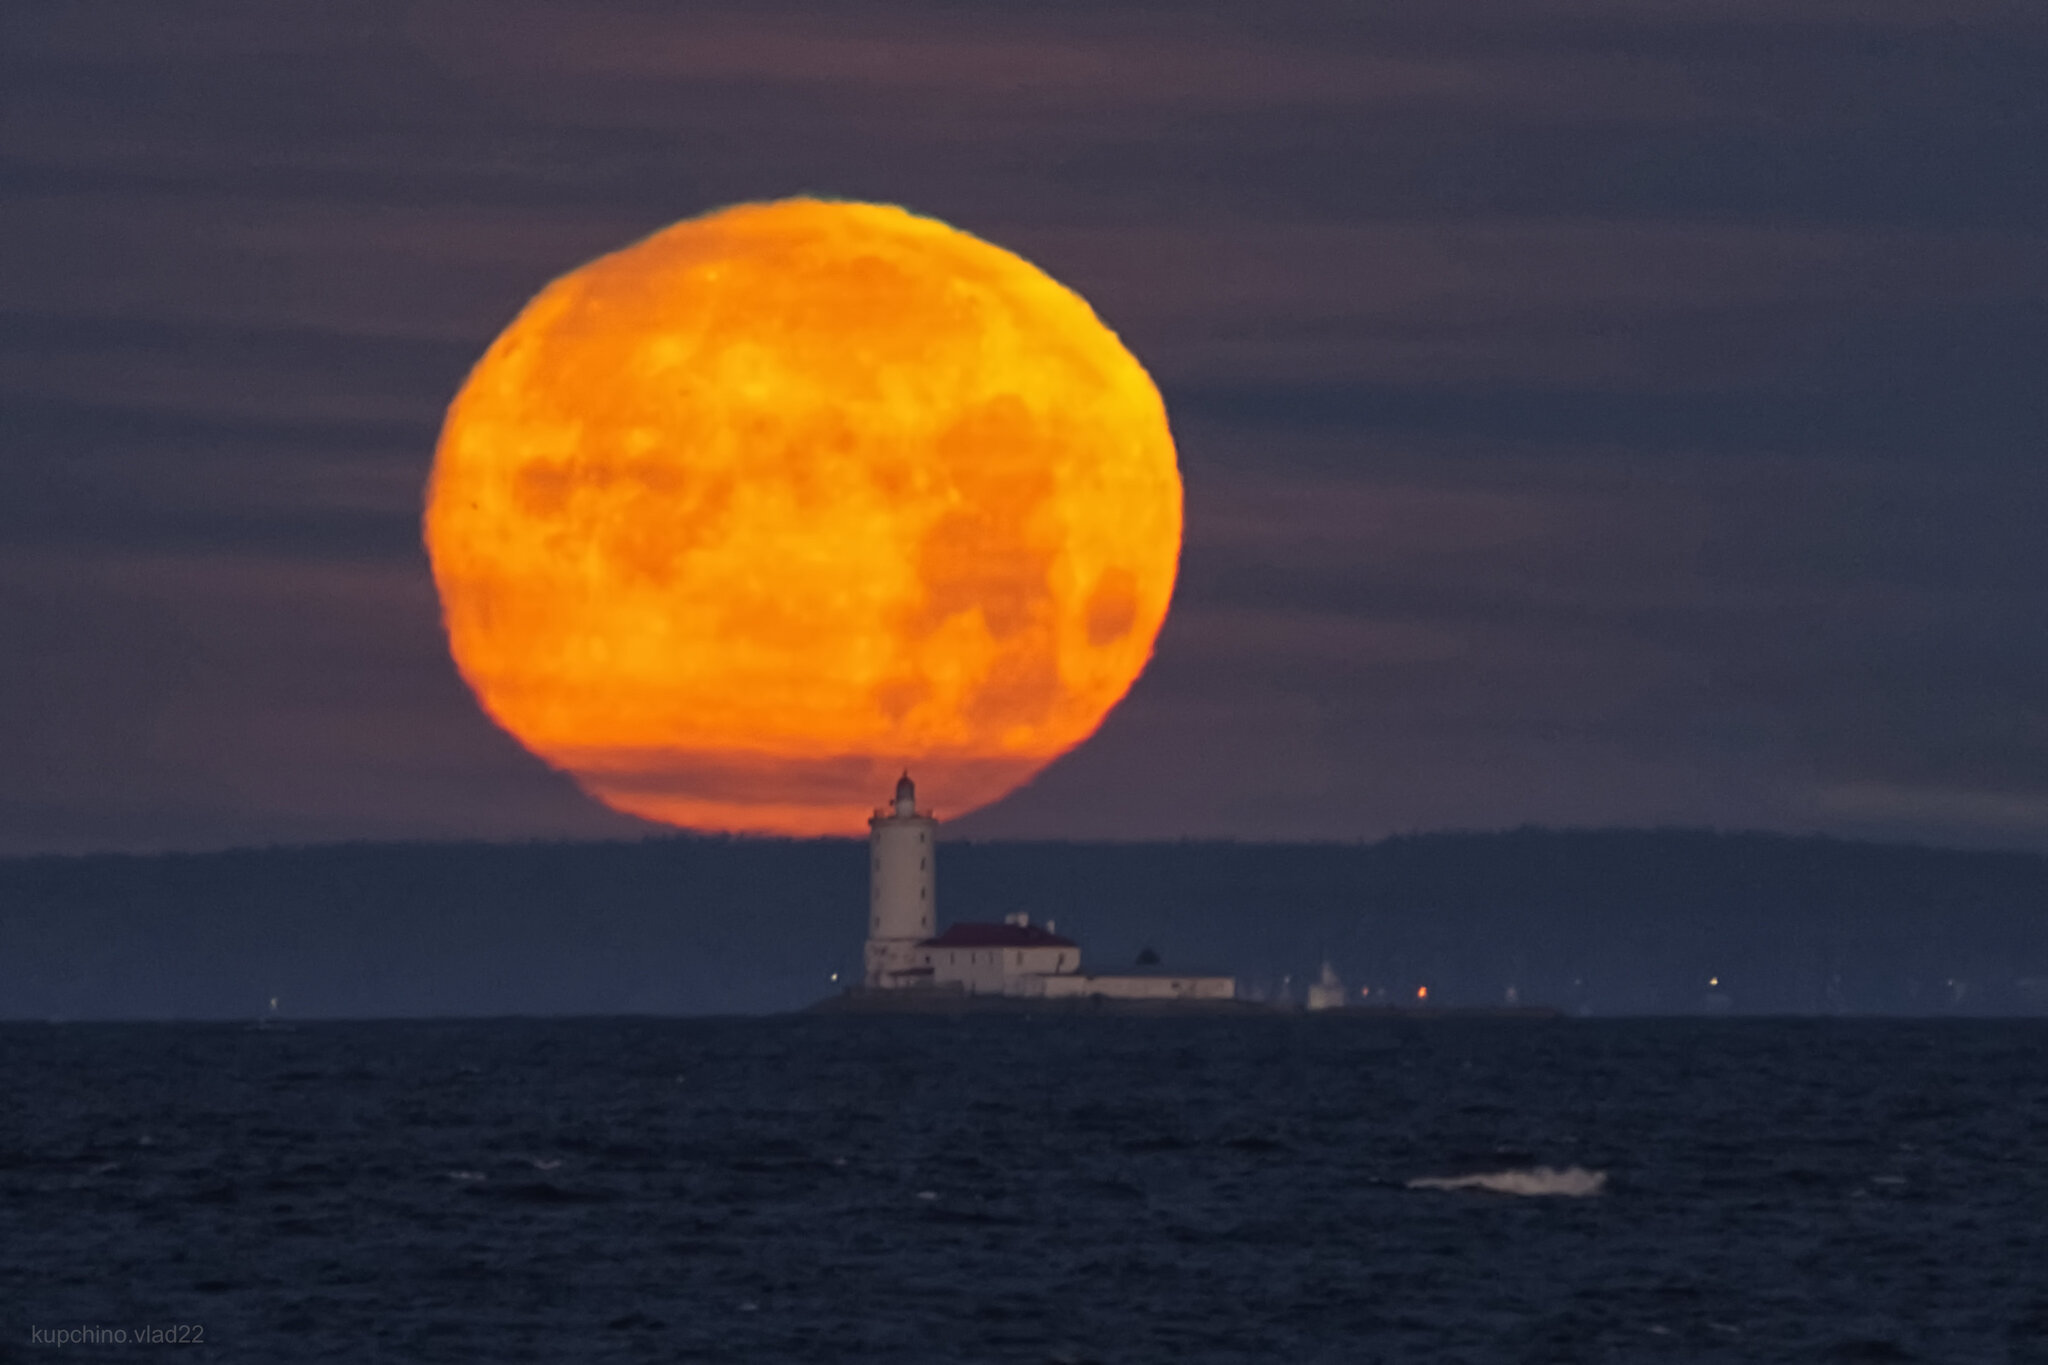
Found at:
[1570, 1182]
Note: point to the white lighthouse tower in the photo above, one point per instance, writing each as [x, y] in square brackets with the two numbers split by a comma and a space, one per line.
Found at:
[902, 889]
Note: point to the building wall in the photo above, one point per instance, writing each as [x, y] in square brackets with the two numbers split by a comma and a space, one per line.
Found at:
[1148, 987]
[902, 892]
[998, 971]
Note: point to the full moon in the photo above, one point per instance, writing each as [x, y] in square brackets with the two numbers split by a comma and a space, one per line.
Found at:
[735, 523]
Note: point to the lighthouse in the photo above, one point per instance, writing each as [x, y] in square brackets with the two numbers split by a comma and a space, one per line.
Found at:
[902, 888]
[911, 966]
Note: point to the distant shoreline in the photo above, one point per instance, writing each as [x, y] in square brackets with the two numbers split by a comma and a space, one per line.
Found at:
[1615, 924]
[930, 1003]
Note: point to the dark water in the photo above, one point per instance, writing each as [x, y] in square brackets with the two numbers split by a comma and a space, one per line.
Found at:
[1027, 1190]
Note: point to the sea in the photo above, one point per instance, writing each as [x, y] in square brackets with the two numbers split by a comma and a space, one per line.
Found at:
[1026, 1189]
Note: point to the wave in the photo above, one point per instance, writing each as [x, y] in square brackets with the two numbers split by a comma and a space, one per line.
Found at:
[1571, 1182]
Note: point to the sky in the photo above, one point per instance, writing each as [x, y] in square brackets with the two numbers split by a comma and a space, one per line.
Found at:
[1591, 413]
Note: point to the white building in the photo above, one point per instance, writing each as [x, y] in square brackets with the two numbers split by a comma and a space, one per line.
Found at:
[1328, 991]
[1015, 958]
[1011, 958]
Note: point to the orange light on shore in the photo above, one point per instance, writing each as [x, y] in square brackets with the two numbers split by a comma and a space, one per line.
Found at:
[1422, 992]
[738, 522]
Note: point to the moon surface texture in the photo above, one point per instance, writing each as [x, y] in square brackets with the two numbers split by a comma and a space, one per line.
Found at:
[735, 523]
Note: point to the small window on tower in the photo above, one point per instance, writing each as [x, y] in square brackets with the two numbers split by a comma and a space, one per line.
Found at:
[920, 864]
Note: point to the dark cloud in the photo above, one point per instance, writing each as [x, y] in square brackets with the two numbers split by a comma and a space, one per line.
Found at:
[1877, 423]
[197, 696]
[1417, 164]
[1592, 411]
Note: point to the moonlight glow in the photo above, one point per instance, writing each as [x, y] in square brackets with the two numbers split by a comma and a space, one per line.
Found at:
[735, 523]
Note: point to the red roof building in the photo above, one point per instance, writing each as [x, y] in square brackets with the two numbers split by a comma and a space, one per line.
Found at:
[999, 936]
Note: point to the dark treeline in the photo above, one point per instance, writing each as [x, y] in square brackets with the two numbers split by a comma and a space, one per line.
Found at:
[1604, 922]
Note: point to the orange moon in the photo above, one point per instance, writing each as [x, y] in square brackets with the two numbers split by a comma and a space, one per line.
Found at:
[737, 522]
